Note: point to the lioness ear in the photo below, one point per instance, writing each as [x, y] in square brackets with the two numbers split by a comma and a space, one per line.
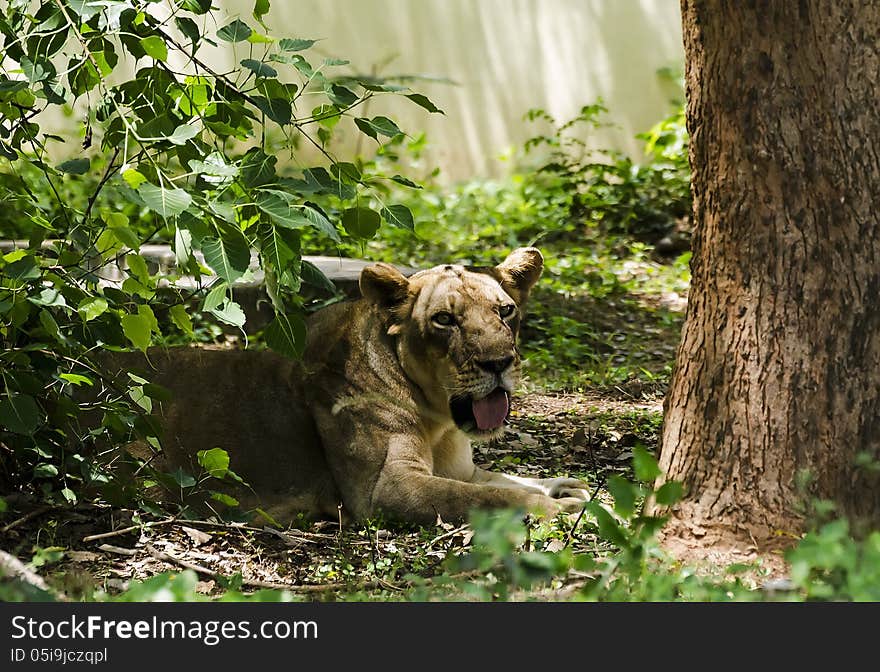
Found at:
[520, 271]
[383, 285]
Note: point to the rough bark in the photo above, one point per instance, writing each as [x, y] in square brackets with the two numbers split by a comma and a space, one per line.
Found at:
[777, 379]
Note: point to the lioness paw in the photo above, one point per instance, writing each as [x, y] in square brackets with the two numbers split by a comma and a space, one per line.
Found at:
[565, 487]
[571, 504]
[542, 505]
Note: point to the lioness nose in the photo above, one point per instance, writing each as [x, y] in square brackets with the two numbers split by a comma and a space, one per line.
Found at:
[495, 365]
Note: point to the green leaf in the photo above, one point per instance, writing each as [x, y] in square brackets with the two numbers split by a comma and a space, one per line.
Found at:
[19, 413]
[286, 334]
[136, 393]
[181, 319]
[228, 256]
[237, 31]
[224, 498]
[189, 28]
[608, 526]
[125, 235]
[183, 479]
[196, 6]
[76, 379]
[645, 465]
[69, 495]
[82, 76]
[669, 493]
[399, 216]
[25, 268]
[10, 86]
[346, 171]
[230, 313]
[75, 166]
[257, 168]
[377, 126]
[214, 461]
[422, 101]
[288, 44]
[15, 255]
[361, 222]
[48, 298]
[133, 178]
[214, 169]
[321, 223]
[137, 266]
[261, 8]
[165, 202]
[259, 68]
[342, 96]
[312, 275]
[92, 307]
[624, 494]
[137, 328]
[273, 248]
[50, 326]
[155, 47]
[183, 134]
[215, 297]
[280, 207]
[278, 110]
[45, 470]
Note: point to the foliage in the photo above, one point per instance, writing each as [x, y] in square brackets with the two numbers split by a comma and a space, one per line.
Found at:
[513, 558]
[830, 564]
[170, 149]
[608, 190]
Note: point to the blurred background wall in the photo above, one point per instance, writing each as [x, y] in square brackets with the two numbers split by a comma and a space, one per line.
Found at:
[505, 57]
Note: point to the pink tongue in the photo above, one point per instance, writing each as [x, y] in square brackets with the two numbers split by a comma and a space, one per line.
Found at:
[491, 411]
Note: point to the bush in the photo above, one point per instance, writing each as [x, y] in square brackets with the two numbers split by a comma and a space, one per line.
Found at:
[187, 155]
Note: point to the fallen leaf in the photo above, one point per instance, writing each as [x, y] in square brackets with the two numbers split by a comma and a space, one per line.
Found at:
[205, 587]
[198, 537]
[82, 556]
[554, 546]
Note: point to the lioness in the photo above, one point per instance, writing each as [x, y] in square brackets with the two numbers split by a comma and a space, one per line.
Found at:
[379, 415]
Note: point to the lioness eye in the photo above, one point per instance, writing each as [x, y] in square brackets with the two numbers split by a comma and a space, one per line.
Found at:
[506, 310]
[444, 319]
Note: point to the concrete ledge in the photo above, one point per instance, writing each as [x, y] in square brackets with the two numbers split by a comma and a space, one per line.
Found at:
[248, 292]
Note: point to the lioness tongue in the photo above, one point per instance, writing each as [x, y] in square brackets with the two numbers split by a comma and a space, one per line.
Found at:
[491, 411]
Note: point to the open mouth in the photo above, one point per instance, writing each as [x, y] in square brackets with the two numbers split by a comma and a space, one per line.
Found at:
[481, 415]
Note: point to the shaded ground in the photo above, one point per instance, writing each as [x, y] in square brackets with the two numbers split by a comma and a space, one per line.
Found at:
[91, 548]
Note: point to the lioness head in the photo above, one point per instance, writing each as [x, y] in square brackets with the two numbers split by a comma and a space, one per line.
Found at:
[455, 331]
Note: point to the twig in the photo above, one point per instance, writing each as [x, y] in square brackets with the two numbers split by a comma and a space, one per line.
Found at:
[107, 175]
[126, 530]
[570, 535]
[446, 535]
[289, 538]
[118, 550]
[39, 511]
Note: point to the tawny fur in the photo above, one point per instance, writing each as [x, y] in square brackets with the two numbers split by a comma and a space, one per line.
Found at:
[363, 423]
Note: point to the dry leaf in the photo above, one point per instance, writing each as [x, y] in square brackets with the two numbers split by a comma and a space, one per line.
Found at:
[554, 546]
[205, 587]
[198, 537]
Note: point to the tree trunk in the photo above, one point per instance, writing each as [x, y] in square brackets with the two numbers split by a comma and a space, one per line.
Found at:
[776, 393]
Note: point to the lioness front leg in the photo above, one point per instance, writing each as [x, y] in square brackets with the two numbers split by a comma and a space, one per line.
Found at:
[406, 492]
[551, 487]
